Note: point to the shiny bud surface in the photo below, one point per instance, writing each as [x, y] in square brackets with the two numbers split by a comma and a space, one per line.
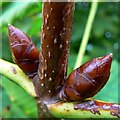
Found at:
[88, 79]
[24, 52]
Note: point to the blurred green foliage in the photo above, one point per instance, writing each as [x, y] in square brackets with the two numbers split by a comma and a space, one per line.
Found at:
[103, 39]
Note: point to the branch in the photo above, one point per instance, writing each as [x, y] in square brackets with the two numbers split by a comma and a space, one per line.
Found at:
[87, 109]
[53, 59]
[15, 74]
[86, 33]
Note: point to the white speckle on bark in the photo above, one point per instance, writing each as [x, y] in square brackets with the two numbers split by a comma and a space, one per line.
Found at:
[67, 42]
[45, 75]
[43, 36]
[55, 40]
[64, 28]
[60, 46]
[50, 79]
[47, 16]
[51, 9]
[48, 28]
[49, 54]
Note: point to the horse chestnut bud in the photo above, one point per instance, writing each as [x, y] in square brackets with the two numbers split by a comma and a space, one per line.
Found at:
[24, 51]
[88, 79]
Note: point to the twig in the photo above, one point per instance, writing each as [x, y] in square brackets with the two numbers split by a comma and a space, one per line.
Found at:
[14, 73]
[86, 109]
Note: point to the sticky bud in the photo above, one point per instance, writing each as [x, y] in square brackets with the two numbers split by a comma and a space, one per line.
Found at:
[24, 51]
[88, 79]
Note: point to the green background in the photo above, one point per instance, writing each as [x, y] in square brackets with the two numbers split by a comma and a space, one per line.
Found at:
[27, 16]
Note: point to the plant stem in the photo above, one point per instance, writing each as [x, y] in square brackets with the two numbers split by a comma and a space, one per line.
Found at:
[54, 51]
[86, 34]
[61, 109]
[86, 109]
[14, 73]
[53, 58]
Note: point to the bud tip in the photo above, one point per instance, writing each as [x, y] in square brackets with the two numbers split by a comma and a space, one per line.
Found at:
[110, 54]
[9, 25]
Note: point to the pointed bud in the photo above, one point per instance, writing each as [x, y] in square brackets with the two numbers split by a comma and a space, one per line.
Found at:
[88, 79]
[24, 52]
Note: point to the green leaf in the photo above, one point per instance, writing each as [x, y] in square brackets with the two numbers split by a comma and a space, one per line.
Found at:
[22, 104]
[13, 10]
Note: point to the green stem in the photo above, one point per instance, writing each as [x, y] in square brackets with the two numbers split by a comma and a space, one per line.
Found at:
[87, 109]
[14, 73]
[86, 34]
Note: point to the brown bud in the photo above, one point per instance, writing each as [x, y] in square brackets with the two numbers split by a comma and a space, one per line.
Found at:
[24, 52]
[88, 79]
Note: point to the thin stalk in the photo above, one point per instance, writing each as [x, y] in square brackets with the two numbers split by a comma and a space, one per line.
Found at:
[86, 109]
[86, 34]
[15, 74]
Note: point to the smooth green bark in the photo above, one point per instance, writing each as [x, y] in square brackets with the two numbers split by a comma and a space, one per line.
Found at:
[66, 110]
[15, 74]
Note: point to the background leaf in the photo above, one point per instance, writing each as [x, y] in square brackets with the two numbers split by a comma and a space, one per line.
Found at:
[110, 90]
[20, 104]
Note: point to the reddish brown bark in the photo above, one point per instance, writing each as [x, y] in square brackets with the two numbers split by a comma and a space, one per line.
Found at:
[52, 72]
[56, 32]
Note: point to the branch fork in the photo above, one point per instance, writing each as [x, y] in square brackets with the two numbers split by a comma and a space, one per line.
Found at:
[47, 69]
